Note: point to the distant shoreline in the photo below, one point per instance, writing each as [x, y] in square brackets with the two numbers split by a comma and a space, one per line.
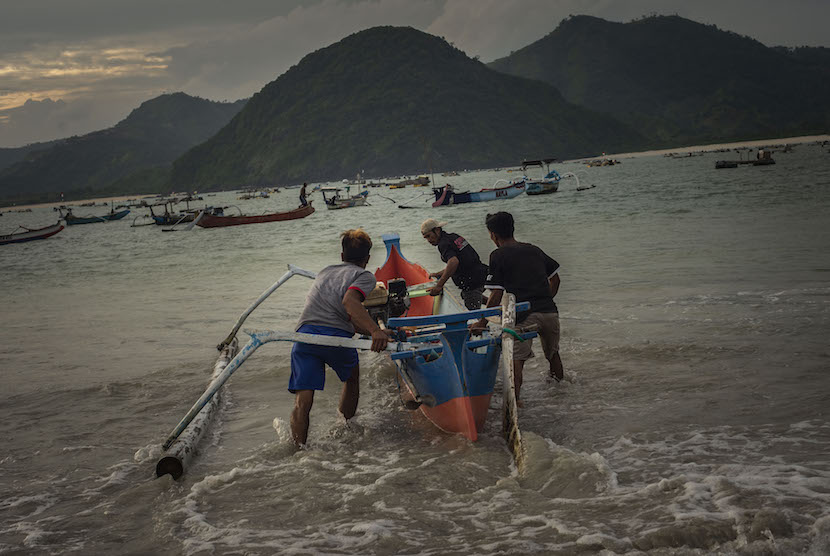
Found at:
[694, 148]
[713, 147]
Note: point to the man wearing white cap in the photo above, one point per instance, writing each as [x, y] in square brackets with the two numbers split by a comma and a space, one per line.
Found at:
[463, 264]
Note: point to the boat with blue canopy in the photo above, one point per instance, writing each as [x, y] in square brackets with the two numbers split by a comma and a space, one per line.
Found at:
[545, 185]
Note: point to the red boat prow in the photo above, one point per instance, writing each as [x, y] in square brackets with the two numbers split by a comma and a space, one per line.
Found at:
[396, 266]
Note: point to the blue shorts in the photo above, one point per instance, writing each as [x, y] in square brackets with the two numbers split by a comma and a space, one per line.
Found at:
[308, 361]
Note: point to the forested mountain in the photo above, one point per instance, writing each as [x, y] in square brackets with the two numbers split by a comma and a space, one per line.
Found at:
[392, 100]
[10, 155]
[680, 82]
[141, 145]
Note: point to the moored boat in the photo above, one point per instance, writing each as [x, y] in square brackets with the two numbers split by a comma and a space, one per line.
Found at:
[545, 185]
[548, 184]
[335, 201]
[211, 220]
[72, 220]
[448, 196]
[31, 234]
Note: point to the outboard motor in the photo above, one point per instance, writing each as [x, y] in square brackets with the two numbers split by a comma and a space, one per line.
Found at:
[385, 302]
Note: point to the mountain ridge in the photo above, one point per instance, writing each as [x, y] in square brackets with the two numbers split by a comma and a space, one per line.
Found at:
[390, 100]
[147, 140]
[679, 81]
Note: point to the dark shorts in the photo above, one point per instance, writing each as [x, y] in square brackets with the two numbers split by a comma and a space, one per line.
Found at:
[308, 361]
[473, 298]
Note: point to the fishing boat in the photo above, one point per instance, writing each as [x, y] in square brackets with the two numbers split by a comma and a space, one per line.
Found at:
[72, 220]
[335, 201]
[453, 387]
[449, 377]
[29, 234]
[545, 185]
[548, 184]
[448, 196]
[170, 218]
[213, 219]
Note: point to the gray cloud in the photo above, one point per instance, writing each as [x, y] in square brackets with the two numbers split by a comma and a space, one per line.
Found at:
[103, 57]
[37, 121]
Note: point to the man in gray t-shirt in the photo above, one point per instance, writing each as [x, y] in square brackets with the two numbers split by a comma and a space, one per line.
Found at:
[324, 304]
[334, 307]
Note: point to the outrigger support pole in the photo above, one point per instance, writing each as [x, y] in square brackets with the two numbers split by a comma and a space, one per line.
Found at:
[292, 270]
[510, 423]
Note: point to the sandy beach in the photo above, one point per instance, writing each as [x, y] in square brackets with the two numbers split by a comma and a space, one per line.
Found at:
[718, 147]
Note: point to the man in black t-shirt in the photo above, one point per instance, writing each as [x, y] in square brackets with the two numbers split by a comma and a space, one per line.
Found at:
[531, 275]
[463, 264]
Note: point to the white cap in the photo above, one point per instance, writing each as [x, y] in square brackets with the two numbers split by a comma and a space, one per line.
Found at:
[430, 224]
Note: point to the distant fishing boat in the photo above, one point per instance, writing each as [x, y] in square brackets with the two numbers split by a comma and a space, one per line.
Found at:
[72, 220]
[334, 201]
[29, 234]
[448, 196]
[545, 185]
[212, 220]
[170, 218]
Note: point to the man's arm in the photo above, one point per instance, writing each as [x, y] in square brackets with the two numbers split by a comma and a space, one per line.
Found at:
[361, 320]
[492, 301]
[554, 282]
[446, 274]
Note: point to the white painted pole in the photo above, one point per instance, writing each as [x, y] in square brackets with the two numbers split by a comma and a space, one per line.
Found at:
[292, 270]
[510, 427]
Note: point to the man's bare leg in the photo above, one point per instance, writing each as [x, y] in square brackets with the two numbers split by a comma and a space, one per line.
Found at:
[518, 366]
[303, 400]
[557, 372]
[350, 394]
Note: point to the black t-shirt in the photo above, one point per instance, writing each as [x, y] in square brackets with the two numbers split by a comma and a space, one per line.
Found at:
[471, 272]
[524, 270]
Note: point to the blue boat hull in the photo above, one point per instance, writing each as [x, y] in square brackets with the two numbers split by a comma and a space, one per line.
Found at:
[456, 385]
[446, 196]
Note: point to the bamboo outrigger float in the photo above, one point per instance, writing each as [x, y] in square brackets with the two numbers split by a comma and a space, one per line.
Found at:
[179, 454]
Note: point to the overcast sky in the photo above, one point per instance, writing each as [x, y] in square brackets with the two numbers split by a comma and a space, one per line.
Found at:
[68, 67]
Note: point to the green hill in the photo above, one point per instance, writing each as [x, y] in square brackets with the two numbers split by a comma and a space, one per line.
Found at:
[10, 155]
[131, 157]
[387, 101]
[680, 82]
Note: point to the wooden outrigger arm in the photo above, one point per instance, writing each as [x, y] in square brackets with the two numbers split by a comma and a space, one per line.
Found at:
[292, 271]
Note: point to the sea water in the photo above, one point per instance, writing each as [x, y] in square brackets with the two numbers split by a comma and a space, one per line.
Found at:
[693, 419]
